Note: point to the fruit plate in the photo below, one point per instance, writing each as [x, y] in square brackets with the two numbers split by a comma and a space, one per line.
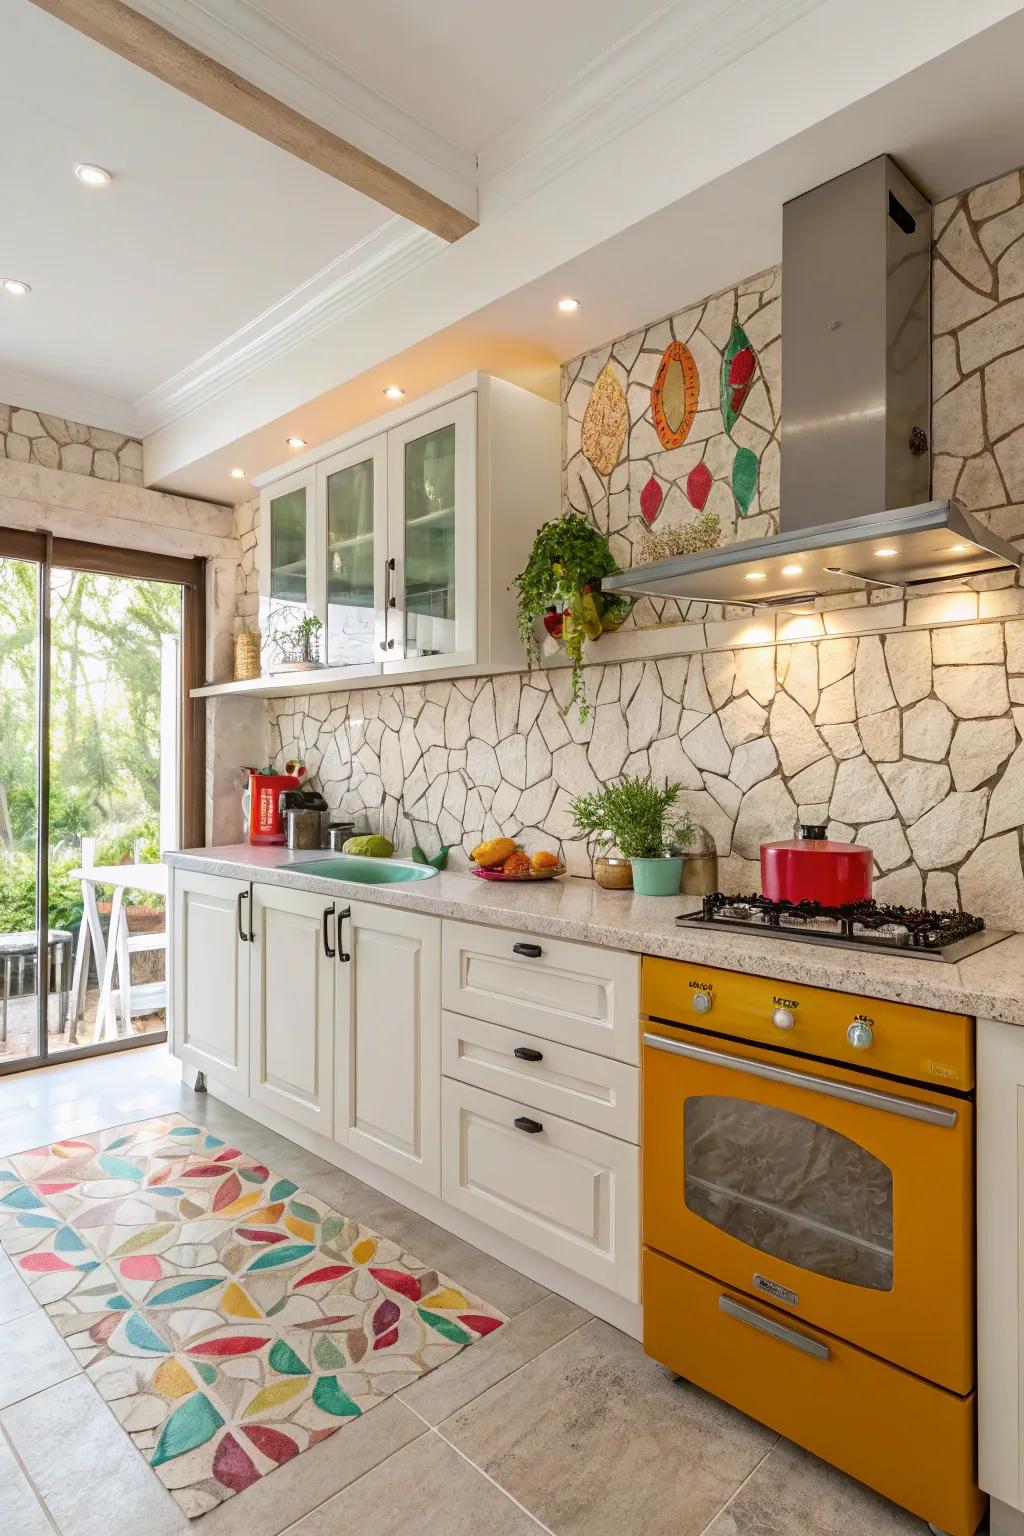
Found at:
[534, 874]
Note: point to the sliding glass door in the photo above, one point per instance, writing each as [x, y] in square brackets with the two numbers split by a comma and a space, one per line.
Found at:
[100, 761]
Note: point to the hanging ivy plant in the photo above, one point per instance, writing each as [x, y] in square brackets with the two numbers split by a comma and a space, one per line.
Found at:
[568, 559]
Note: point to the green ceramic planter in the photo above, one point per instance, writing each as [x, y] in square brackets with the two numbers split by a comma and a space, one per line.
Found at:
[658, 877]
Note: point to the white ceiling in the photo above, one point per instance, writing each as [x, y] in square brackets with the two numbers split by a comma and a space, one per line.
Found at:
[204, 228]
[468, 70]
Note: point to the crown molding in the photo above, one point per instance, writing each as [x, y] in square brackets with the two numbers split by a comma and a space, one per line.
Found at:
[660, 61]
[356, 277]
[57, 397]
[282, 62]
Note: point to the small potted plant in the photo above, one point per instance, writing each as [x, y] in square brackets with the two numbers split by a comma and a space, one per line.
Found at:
[297, 641]
[639, 817]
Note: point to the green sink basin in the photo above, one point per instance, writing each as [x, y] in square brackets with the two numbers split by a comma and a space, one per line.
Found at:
[350, 866]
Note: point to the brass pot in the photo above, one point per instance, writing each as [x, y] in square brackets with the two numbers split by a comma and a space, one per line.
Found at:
[613, 873]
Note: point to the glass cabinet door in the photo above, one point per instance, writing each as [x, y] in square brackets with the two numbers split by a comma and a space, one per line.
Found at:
[289, 570]
[431, 616]
[289, 586]
[353, 503]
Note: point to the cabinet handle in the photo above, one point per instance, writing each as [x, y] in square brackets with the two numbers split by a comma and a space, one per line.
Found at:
[531, 951]
[389, 571]
[524, 1123]
[328, 914]
[527, 1053]
[779, 1331]
[343, 954]
[242, 934]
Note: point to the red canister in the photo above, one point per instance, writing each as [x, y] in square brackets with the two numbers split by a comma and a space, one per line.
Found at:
[811, 868]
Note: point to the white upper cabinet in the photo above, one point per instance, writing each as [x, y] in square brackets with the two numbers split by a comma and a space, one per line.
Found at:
[403, 536]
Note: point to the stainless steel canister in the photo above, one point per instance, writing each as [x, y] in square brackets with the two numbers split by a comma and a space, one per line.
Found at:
[304, 827]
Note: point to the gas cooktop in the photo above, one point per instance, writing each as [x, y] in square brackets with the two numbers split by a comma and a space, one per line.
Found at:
[947, 936]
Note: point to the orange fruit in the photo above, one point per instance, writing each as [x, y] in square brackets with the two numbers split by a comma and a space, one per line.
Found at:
[544, 859]
[516, 864]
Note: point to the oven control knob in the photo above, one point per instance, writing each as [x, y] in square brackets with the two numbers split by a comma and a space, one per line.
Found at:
[784, 1018]
[700, 1002]
[860, 1035]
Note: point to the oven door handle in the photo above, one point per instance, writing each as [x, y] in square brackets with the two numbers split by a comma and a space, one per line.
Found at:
[890, 1104]
[778, 1331]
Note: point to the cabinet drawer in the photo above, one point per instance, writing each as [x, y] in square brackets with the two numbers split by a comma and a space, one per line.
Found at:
[916, 1445]
[559, 1079]
[577, 994]
[566, 1191]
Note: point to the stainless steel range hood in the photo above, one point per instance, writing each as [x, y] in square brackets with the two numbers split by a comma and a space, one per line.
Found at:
[856, 370]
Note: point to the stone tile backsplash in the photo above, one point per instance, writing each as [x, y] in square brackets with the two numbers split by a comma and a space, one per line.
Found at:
[907, 738]
[33, 437]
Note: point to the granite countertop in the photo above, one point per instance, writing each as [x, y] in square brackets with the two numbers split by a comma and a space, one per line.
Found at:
[989, 984]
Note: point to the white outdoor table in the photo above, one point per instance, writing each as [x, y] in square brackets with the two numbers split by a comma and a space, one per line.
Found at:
[120, 877]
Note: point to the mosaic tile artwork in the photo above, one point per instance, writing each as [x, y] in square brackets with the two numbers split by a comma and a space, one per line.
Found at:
[229, 1319]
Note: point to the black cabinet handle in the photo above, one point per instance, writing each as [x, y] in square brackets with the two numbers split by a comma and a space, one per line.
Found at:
[242, 934]
[524, 1123]
[531, 951]
[328, 914]
[343, 954]
[527, 1053]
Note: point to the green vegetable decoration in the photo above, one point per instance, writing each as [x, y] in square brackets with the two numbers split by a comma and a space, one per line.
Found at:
[739, 365]
[436, 860]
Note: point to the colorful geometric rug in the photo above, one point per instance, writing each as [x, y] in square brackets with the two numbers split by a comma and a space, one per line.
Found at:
[229, 1319]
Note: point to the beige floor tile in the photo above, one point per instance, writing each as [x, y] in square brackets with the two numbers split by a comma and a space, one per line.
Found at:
[291, 1491]
[794, 1494]
[424, 1490]
[442, 1392]
[21, 1511]
[85, 1468]
[32, 1356]
[594, 1438]
[15, 1298]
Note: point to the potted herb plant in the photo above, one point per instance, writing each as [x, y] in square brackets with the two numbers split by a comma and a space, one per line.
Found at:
[560, 586]
[639, 817]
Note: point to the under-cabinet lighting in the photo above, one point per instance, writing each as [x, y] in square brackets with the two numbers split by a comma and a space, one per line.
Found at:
[792, 570]
[755, 576]
[885, 554]
[958, 549]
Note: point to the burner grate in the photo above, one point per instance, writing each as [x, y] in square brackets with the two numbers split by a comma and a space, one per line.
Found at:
[862, 922]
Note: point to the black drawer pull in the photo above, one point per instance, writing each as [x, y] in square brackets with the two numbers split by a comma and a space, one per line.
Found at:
[531, 951]
[527, 1053]
[343, 955]
[524, 1123]
[243, 896]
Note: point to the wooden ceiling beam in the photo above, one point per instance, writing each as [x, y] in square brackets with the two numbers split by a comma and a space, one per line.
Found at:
[151, 47]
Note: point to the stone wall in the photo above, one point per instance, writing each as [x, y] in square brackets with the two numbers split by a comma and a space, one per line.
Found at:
[899, 721]
[247, 581]
[32, 437]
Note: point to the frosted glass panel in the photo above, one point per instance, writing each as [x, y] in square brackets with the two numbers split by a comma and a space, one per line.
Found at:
[350, 565]
[429, 574]
[790, 1187]
[288, 546]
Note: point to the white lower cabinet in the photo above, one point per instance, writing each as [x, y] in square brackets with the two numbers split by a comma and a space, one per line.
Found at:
[210, 975]
[388, 1040]
[291, 983]
[568, 1191]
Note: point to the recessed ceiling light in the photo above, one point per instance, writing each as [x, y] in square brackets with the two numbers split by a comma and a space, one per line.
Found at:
[15, 286]
[885, 554]
[394, 393]
[238, 474]
[296, 442]
[93, 175]
[755, 575]
[568, 306]
[792, 570]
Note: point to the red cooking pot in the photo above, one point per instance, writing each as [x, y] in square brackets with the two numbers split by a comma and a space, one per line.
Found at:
[811, 868]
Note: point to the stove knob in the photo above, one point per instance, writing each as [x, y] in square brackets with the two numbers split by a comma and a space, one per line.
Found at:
[860, 1035]
[700, 1002]
[784, 1018]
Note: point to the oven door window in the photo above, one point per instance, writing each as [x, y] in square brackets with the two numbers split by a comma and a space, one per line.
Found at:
[790, 1187]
